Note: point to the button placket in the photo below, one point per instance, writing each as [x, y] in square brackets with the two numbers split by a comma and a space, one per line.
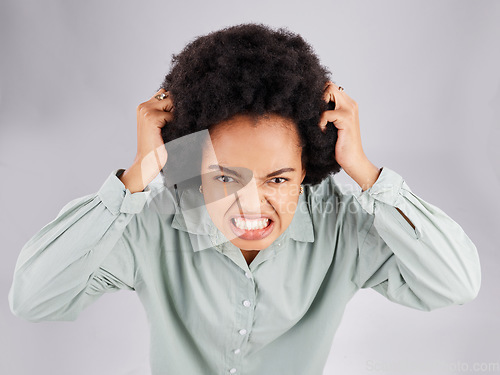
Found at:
[246, 314]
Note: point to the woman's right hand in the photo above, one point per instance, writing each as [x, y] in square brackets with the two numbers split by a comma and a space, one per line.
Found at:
[151, 155]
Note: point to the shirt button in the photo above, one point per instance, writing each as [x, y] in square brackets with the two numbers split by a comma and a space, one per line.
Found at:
[246, 303]
[232, 371]
[237, 351]
[242, 331]
[248, 275]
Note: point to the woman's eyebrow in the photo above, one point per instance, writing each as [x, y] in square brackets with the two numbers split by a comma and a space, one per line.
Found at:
[280, 171]
[233, 172]
[224, 169]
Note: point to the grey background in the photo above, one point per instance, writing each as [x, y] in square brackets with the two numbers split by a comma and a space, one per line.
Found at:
[424, 73]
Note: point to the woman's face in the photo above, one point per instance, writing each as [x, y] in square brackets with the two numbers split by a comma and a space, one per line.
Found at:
[245, 164]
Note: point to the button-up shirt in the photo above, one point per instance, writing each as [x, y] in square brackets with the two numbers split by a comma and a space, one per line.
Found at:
[212, 313]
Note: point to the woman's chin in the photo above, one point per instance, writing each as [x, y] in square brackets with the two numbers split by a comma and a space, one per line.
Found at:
[249, 245]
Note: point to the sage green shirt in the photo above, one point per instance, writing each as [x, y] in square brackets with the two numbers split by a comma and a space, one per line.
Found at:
[212, 314]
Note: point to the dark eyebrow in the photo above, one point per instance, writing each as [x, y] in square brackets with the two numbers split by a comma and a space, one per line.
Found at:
[224, 169]
[280, 171]
[233, 172]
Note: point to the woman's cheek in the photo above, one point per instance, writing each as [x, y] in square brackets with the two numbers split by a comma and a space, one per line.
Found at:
[286, 209]
[217, 211]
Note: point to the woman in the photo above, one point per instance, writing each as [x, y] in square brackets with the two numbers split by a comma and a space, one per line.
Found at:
[247, 254]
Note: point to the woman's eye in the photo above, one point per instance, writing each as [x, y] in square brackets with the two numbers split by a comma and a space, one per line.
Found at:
[219, 178]
[280, 178]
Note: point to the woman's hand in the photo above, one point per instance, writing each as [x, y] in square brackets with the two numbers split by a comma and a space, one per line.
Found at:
[348, 150]
[152, 116]
[151, 155]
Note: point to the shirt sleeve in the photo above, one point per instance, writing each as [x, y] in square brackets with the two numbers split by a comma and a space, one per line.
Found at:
[78, 256]
[430, 266]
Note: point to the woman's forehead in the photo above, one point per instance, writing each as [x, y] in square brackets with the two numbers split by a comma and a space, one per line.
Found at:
[265, 124]
[239, 143]
[251, 152]
[246, 138]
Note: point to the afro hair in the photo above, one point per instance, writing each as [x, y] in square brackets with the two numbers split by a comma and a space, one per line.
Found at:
[252, 69]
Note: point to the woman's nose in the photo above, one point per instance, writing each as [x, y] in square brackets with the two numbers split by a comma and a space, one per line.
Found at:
[249, 198]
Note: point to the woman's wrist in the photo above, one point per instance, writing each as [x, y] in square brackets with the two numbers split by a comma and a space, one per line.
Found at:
[133, 179]
[365, 173]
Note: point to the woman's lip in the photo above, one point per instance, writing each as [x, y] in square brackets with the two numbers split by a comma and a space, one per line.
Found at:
[253, 234]
[250, 217]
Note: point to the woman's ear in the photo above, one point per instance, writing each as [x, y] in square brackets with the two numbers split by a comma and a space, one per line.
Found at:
[303, 175]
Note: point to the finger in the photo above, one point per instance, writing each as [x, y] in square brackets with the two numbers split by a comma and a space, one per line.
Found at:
[166, 104]
[160, 91]
[329, 96]
[157, 117]
[327, 83]
[344, 97]
[332, 93]
[337, 87]
[333, 116]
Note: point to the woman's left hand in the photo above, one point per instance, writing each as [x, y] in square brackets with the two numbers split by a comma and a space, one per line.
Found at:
[349, 153]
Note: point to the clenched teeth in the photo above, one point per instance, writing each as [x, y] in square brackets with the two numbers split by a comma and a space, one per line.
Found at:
[251, 224]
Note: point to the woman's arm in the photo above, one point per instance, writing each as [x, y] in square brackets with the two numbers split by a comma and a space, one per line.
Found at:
[414, 254]
[365, 176]
[58, 270]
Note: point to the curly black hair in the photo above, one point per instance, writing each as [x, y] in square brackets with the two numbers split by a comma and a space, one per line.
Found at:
[252, 69]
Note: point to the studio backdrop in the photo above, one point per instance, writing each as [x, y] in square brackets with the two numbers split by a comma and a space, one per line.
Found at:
[424, 74]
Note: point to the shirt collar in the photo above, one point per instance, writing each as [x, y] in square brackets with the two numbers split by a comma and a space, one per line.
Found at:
[192, 216]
